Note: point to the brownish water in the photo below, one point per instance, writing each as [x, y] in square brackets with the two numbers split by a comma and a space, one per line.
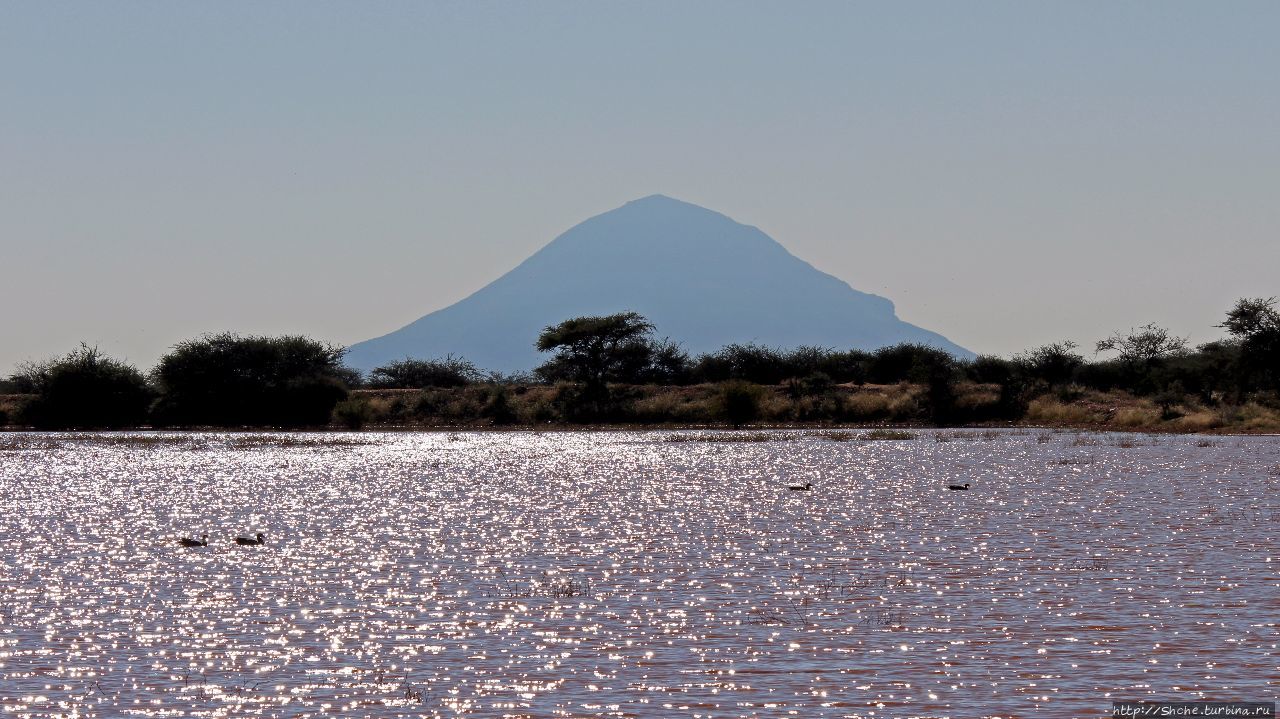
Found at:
[618, 574]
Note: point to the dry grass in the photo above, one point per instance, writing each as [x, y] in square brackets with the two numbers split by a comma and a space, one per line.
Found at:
[1256, 418]
[1047, 410]
[1130, 417]
[673, 407]
[775, 408]
[1197, 421]
[834, 435]
[906, 404]
[134, 440]
[256, 441]
[973, 396]
[18, 443]
[731, 437]
[181, 441]
[867, 406]
[885, 434]
[43, 442]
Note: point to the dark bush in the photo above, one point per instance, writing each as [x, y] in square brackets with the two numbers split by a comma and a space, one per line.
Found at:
[987, 369]
[738, 402]
[1105, 376]
[227, 380]
[759, 364]
[1211, 372]
[1168, 399]
[21, 382]
[419, 374]
[352, 413]
[746, 362]
[815, 385]
[908, 362]
[85, 390]
[845, 366]
[1054, 364]
[498, 407]
[667, 364]
[1255, 324]
[941, 396]
[350, 377]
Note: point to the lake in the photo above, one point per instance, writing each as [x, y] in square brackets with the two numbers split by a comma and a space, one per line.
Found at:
[635, 574]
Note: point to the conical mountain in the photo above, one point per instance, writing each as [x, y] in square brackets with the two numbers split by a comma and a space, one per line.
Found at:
[703, 279]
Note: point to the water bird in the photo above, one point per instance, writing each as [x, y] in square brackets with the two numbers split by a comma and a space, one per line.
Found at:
[247, 542]
[801, 487]
[203, 541]
[958, 487]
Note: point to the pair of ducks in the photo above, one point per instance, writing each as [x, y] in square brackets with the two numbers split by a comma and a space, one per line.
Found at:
[203, 541]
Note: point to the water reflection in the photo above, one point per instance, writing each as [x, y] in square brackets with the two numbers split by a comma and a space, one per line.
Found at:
[619, 574]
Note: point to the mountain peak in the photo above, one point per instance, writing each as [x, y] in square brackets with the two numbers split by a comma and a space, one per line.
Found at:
[702, 278]
[659, 199]
[663, 206]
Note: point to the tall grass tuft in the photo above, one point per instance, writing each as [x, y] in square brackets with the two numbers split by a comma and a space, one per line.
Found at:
[353, 414]
[886, 434]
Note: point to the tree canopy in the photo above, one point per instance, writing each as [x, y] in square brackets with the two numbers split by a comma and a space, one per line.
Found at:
[595, 350]
[86, 390]
[409, 373]
[229, 380]
[1255, 323]
[1143, 346]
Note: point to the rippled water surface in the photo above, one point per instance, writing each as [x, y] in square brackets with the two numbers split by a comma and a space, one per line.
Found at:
[624, 574]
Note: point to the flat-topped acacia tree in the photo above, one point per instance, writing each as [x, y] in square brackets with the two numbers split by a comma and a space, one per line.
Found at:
[594, 351]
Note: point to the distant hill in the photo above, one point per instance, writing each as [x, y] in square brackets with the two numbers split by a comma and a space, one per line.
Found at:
[703, 279]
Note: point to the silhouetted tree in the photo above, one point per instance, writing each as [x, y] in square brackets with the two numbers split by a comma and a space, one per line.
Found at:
[84, 390]
[411, 373]
[498, 406]
[908, 362]
[668, 364]
[987, 369]
[1255, 322]
[845, 365]
[1141, 350]
[229, 380]
[1053, 363]
[748, 362]
[594, 351]
[738, 402]
[1144, 346]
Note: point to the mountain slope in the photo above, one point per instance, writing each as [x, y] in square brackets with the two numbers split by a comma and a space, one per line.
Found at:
[703, 279]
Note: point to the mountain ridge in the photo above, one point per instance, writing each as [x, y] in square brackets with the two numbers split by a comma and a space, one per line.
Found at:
[701, 277]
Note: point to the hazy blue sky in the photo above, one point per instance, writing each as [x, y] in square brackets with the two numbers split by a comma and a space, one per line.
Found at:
[1007, 173]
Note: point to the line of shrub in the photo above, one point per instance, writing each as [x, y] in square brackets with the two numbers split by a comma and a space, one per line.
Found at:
[612, 369]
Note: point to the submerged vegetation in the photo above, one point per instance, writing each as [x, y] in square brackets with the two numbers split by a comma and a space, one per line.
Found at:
[613, 370]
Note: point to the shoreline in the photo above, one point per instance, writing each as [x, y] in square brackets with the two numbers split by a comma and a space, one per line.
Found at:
[847, 407]
[815, 428]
